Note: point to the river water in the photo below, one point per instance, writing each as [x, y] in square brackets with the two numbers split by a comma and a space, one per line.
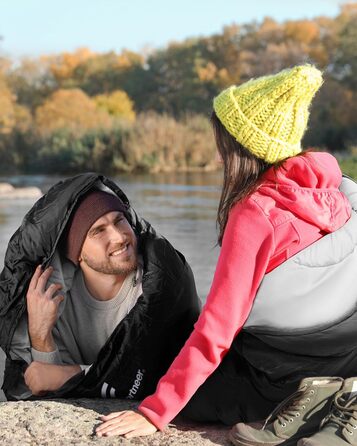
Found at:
[180, 206]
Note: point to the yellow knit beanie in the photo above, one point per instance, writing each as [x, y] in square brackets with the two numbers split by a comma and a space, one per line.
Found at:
[268, 115]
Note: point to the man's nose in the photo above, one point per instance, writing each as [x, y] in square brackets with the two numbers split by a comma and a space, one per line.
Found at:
[116, 234]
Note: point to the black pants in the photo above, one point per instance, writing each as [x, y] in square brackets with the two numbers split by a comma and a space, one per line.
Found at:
[229, 396]
[237, 391]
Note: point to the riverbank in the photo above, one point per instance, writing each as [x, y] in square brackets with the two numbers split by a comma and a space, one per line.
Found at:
[7, 191]
[159, 162]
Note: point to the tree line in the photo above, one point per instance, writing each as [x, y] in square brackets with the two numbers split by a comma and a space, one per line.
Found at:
[150, 111]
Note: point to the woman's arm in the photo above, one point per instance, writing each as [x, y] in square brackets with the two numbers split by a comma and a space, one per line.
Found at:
[247, 246]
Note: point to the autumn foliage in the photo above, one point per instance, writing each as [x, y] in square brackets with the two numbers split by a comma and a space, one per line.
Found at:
[116, 104]
[70, 109]
[7, 108]
[149, 111]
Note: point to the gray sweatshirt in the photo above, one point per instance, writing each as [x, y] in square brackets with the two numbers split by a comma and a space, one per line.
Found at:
[86, 323]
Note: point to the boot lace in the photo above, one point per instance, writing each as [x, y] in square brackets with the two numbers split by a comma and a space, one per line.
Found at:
[291, 407]
[343, 413]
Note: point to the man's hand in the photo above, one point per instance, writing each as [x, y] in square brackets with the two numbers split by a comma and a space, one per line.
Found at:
[128, 423]
[42, 309]
[41, 377]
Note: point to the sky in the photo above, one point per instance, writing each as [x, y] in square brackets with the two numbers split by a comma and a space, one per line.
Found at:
[36, 27]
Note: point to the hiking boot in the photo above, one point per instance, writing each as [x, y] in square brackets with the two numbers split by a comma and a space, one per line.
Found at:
[297, 416]
[339, 428]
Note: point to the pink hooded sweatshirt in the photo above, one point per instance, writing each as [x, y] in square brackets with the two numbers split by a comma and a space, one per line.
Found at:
[293, 207]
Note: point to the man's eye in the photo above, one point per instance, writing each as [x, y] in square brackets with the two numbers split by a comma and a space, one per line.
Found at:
[120, 220]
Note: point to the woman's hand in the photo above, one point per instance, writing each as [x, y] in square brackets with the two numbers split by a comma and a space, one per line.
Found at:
[128, 423]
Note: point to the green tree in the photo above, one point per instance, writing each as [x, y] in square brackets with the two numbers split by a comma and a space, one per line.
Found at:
[31, 82]
[333, 120]
[107, 72]
[345, 60]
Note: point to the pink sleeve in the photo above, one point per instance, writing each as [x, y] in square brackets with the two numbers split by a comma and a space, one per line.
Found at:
[246, 249]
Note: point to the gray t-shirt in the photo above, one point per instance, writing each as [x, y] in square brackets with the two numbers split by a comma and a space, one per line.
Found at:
[86, 323]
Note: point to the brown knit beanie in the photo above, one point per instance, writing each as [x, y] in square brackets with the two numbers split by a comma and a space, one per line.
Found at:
[90, 207]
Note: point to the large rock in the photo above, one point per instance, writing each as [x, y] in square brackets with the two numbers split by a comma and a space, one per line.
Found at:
[7, 191]
[67, 422]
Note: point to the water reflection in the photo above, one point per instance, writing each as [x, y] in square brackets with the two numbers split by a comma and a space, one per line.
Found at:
[180, 206]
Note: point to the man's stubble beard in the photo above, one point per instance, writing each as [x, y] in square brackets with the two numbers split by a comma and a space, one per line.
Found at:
[105, 267]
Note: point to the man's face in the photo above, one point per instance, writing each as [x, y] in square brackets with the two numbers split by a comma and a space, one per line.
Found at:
[110, 246]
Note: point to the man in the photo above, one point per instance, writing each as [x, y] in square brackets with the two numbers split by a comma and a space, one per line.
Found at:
[92, 301]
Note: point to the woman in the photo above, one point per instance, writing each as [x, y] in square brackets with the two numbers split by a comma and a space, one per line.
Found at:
[275, 203]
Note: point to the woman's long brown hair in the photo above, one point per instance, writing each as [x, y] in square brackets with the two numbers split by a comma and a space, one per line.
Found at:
[242, 172]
